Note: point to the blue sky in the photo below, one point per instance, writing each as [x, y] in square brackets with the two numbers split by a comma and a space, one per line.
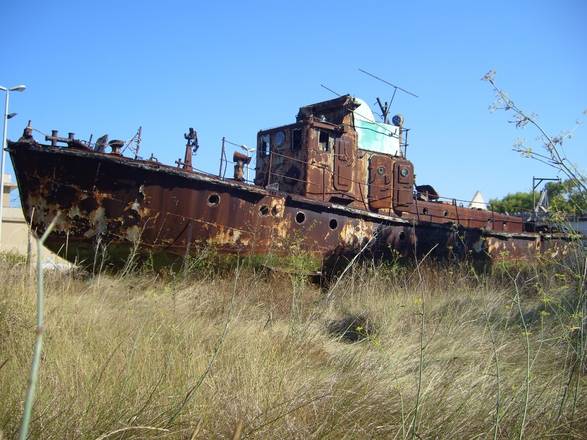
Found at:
[232, 68]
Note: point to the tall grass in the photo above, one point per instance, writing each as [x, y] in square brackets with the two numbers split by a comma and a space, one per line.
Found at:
[441, 353]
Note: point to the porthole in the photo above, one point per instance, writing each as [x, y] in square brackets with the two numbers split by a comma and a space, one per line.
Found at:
[333, 223]
[213, 200]
[381, 171]
[404, 172]
[300, 217]
[264, 210]
[445, 213]
[425, 211]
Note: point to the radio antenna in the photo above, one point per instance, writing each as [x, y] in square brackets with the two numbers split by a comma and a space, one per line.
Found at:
[395, 88]
[136, 141]
[330, 90]
[384, 110]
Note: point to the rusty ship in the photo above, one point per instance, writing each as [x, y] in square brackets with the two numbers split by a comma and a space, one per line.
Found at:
[334, 182]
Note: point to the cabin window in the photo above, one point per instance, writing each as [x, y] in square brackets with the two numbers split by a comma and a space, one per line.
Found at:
[279, 138]
[324, 140]
[296, 144]
[265, 145]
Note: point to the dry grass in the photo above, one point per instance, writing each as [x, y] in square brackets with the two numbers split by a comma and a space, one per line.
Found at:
[444, 355]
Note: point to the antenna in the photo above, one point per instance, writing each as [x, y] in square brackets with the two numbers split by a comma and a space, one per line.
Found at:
[395, 89]
[136, 140]
[384, 110]
[330, 90]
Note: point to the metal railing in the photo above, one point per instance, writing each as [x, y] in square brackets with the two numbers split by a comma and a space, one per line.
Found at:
[363, 189]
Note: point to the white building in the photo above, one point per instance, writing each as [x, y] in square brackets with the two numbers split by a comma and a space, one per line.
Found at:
[14, 227]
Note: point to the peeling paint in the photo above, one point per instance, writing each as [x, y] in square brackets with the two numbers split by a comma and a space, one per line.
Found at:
[321, 191]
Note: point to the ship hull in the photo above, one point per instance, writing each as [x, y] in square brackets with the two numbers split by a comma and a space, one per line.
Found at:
[115, 206]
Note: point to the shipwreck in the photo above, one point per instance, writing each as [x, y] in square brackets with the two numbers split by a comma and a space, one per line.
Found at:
[336, 182]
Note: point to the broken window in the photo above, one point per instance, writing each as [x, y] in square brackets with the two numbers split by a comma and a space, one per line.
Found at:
[265, 145]
[296, 144]
[324, 140]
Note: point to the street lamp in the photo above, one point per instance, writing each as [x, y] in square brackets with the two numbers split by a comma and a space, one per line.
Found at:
[249, 151]
[7, 116]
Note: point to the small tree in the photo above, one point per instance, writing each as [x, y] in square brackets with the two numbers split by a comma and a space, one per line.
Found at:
[517, 202]
[567, 197]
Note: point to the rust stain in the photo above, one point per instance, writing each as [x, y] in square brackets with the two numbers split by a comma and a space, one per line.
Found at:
[314, 184]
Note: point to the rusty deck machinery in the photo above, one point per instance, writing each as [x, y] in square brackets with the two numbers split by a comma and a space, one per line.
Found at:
[315, 185]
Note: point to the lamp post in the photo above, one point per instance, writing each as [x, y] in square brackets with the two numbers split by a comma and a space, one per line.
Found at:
[249, 151]
[7, 116]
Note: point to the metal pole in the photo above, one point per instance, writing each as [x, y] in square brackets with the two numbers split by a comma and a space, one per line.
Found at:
[533, 217]
[269, 171]
[221, 158]
[324, 182]
[247, 167]
[536, 181]
[4, 135]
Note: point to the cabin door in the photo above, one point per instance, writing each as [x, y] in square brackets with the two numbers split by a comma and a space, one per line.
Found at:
[343, 163]
[403, 197]
[380, 182]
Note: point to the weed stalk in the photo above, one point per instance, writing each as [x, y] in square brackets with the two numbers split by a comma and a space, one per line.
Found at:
[34, 376]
